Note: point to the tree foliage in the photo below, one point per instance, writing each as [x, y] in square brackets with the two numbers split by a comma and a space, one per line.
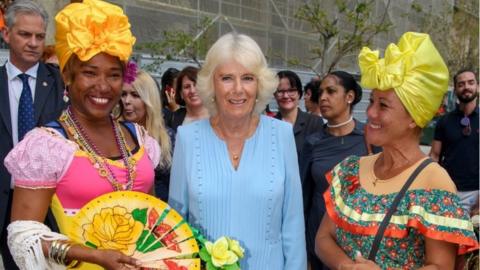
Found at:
[340, 30]
[453, 28]
[177, 44]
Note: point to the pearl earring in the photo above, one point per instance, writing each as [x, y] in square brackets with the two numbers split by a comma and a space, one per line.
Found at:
[65, 95]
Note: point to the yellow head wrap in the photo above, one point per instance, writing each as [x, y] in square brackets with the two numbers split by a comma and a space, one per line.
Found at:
[92, 27]
[414, 69]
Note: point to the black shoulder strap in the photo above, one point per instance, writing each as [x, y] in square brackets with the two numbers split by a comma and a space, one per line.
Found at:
[393, 208]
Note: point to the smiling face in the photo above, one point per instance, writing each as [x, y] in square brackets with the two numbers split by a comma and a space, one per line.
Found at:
[26, 39]
[133, 106]
[287, 96]
[466, 87]
[235, 90]
[189, 93]
[388, 120]
[94, 85]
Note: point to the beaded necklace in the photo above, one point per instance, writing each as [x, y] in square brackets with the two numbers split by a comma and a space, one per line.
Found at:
[94, 155]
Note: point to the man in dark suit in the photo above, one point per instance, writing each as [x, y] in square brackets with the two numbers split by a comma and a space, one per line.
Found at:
[30, 94]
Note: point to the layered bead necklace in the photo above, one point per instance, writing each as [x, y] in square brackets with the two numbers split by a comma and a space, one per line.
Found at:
[100, 163]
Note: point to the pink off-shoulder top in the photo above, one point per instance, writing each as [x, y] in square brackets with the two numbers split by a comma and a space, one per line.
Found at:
[46, 159]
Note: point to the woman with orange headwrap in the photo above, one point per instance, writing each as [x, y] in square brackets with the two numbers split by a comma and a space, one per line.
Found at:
[85, 153]
[428, 226]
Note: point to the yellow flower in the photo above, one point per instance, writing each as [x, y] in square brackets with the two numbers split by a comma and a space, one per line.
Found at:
[220, 253]
[113, 228]
[234, 246]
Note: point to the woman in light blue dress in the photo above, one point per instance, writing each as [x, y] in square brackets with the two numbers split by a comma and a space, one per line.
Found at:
[236, 174]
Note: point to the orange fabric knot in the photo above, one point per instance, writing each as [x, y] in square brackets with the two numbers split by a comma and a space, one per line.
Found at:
[89, 28]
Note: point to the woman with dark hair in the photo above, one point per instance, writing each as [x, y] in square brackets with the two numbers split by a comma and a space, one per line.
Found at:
[168, 89]
[342, 136]
[84, 154]
[310, 97]
[187, 96]
[396, 208]
[288, 94]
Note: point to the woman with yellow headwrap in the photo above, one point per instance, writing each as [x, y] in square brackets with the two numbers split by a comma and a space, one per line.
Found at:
[69, 162]
[429, 227]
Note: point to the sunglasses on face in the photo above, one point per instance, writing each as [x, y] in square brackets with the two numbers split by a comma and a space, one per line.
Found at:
[465, 123]
[290, 92]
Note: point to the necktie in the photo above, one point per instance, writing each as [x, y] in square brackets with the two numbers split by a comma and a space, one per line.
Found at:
[26, 119]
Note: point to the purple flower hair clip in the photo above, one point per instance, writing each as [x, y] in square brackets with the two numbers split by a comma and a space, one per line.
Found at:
[130, 72]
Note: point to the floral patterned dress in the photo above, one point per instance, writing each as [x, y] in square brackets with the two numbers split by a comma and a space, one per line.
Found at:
[433, 213]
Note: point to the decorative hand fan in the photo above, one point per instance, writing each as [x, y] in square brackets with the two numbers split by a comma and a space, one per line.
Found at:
[139, 225]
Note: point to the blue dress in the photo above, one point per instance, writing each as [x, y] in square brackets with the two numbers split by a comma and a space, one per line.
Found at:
[259, 204]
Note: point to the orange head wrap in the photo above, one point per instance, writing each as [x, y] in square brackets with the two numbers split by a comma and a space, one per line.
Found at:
[88, 28]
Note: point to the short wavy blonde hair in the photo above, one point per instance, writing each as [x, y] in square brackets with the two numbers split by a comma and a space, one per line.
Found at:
[244, 50]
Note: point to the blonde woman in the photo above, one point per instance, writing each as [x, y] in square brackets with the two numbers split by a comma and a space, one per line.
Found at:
[236, 173]
[140, 104]
[428, 228]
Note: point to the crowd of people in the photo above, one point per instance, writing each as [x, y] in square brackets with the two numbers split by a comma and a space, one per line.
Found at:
[314, 189]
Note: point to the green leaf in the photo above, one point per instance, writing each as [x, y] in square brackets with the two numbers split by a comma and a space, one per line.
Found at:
[233, 266]
[90, 244]
[145, 246]
[140, 215]
[210, 266]
[204, 255]
[362, 7]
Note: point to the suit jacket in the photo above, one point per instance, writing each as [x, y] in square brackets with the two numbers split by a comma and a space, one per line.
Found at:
[48, 105]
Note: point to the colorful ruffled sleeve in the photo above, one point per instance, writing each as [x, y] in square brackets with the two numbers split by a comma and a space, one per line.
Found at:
[40, 159]
[151, 145]
[437, 214]
[432, 213]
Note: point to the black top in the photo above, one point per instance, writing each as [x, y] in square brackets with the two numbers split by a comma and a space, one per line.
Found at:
[162, 175]
[321, 153]
[305, 125]
[176, 119]
[459, 153]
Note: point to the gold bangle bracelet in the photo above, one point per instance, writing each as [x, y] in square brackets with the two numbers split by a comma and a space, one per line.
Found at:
[73, 262]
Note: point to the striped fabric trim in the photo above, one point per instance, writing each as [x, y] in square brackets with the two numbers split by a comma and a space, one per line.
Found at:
[396, 219]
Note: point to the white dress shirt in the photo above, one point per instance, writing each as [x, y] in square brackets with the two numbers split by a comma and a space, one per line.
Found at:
[15, 86]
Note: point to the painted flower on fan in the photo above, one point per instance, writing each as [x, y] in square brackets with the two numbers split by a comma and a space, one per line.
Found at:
[113, 228]
[224, 254]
